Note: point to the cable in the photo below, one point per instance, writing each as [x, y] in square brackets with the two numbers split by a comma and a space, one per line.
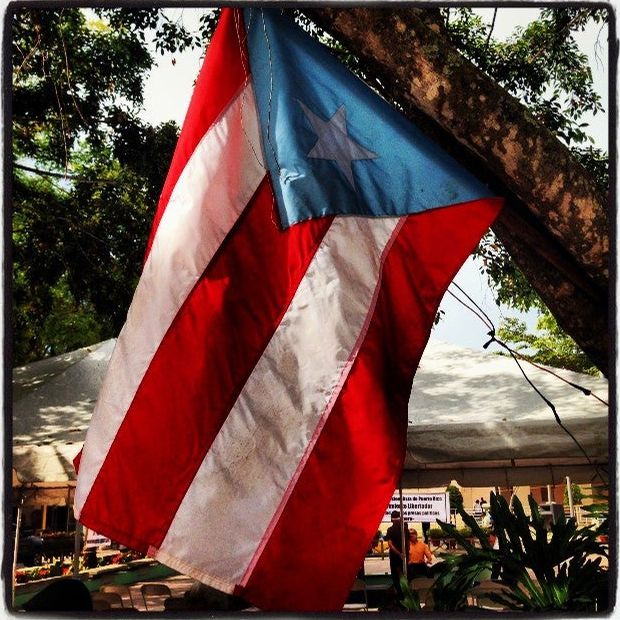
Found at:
[484, 317]
[585, 390]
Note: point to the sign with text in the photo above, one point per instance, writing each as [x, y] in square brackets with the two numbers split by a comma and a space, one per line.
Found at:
[420, 507]
[94, 540]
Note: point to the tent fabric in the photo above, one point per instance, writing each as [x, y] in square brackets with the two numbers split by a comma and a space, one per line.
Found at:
[473, 418]
[53, 400]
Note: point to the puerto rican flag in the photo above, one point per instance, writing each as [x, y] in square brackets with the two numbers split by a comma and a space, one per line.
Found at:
[251, 428]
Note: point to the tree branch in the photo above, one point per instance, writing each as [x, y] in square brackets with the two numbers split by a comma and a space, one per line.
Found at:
[61, 175]
[553, 204]
[488, 41]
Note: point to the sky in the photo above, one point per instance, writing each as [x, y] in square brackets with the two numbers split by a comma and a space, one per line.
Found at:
[458, 326]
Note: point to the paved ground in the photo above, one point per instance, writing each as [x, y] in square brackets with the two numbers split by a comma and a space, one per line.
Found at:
[178, 585]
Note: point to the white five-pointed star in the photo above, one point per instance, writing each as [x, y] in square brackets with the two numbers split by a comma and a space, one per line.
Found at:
[334, 142]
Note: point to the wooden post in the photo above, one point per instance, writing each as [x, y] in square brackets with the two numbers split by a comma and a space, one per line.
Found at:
[569, 492]
[16, 548]
[44, 517]
[77, 548]
[402, 528]
[68, 508]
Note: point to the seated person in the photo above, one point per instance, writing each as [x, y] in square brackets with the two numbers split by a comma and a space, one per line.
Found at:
[420, 557]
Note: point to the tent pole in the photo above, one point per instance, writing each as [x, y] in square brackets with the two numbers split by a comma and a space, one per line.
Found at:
[68, 508]
[77, 548]
[402, 526]
[550, 500]
[18, 525]
[569, 492]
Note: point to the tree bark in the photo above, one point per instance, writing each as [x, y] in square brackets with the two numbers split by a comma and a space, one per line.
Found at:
[555, 223]
[577, 304]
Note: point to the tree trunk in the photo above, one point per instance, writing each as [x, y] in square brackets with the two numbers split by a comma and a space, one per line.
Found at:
[555, 223]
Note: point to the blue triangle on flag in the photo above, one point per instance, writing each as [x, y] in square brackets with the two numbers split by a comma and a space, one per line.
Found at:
[332, 145]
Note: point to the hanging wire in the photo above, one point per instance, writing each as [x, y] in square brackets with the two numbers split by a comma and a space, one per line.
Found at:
[585, 390]
[484, 317]
[473, 307]
[545, 399]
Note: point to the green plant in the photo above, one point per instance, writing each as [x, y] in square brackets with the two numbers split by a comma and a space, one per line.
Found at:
[465, 532]
[456, 497]
[599, 508]
[435, 533]
[55, 569]
[410, 600]
[458, 575]
[556, 569]
[576, 492]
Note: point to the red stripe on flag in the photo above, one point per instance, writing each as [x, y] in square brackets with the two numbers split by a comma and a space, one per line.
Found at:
[354, 467]
[223, 73]
[198, 372]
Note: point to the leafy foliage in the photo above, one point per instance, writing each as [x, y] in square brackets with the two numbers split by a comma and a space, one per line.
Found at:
[410, 600]
[69, 75]
[460, 573]
[576, 492]
[79, 235]
[597, 164]
[78, 80]
[75, 260]
[456, 497]
[550, 345]
[435, 533]
[556, 569]
[542, 66]
[510, 286]
[599, 507]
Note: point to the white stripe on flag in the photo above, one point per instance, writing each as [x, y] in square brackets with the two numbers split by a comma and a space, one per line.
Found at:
[214, 188]
[236, 496]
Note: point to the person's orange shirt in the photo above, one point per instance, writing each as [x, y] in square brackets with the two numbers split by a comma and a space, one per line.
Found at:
[418, 551]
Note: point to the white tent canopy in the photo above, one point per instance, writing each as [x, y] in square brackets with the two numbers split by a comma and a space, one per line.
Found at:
[53, 401]
[473, 418]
